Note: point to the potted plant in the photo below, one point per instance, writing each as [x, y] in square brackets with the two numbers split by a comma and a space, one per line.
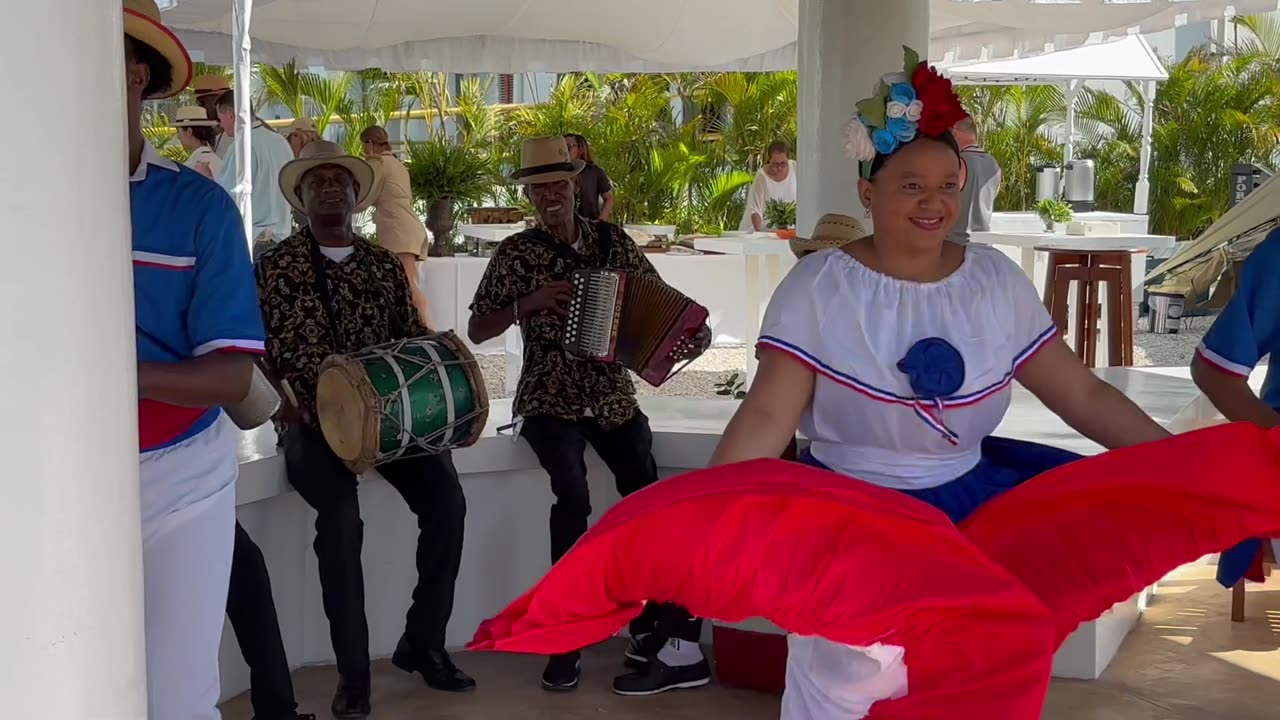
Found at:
[1053, 213]
[781, 216]
[446, 176]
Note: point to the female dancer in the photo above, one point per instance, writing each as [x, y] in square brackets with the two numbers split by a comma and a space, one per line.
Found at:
[894, 354]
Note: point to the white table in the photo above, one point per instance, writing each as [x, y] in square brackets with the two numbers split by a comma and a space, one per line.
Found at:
[767, 260]
[1027, 221]
[1034, 263]
[494, 232]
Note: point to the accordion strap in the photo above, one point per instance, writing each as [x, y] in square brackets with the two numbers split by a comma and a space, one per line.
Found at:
[605, 239]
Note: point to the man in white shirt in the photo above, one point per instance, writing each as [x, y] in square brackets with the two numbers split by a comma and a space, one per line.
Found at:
[272, 220]
[775, 181]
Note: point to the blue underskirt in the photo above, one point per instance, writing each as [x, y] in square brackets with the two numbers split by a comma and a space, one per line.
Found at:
[1005, 464]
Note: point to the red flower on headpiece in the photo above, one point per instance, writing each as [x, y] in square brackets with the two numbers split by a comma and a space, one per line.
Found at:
[942, 108]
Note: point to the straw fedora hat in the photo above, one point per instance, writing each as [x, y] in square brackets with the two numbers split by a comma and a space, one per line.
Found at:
[193, 116]
[302, 124]
[142, 23]
[545, 159]
[210, 85]
[318, 153]
[832, 231]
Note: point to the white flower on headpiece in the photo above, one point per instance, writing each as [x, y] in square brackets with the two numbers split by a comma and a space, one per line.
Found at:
[857, 141]
[895, 109]
[914, 110]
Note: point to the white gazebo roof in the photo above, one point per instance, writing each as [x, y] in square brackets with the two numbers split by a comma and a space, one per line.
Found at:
[625, 36]
[1128, 58]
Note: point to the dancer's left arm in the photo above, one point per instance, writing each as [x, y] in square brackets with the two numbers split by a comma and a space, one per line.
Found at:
[1084, 401]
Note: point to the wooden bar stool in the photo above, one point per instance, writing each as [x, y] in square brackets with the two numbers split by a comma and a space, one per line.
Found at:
[1091, 269]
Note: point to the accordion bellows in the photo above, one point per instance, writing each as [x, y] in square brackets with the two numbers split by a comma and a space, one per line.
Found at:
[635, 320]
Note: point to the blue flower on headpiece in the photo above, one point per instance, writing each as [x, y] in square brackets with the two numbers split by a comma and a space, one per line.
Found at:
[903, 129]
[934, 367]
[903, 93]
[884, 141]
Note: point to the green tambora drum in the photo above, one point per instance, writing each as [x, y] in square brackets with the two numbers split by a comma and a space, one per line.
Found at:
[410, 397]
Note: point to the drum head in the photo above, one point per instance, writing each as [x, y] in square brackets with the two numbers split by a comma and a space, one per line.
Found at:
[347, 409]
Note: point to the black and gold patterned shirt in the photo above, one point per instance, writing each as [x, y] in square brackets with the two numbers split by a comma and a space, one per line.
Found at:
[552, 382]
[371, 299]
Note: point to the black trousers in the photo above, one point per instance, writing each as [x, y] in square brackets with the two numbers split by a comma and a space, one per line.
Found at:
[627, 451]
[252, 612]
[429, 485]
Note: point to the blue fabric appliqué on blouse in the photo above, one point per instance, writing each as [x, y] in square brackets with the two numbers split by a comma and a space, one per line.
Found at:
[935, 370]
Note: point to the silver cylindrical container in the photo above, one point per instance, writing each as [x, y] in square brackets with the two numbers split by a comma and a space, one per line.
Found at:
[1048, 182]
[1165, 313]
[1078, 185]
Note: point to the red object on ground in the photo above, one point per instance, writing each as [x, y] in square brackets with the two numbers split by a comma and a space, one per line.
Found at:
[980, 617]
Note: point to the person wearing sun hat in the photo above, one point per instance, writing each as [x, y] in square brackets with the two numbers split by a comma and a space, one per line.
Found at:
[908, 398]
[208, 89]
[362, 299]
[198, 331]
[567, 403]
[197, 133]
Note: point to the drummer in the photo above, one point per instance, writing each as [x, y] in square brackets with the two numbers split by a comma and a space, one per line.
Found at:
[568, 403]
[363, 301]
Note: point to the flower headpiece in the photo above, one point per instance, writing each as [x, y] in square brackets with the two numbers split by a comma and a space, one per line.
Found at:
[916, 101]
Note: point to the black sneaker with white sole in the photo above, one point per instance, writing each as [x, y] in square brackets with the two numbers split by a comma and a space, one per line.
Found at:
[642, 649]
[658, 677]
[562, 672]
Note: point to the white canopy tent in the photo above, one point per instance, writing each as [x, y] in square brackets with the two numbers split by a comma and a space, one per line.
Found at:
[1129, 58]
[622, 36]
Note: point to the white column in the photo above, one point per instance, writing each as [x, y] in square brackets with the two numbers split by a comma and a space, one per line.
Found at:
[70, 538]
[845, 46]
[1142, 191]
[241, 12]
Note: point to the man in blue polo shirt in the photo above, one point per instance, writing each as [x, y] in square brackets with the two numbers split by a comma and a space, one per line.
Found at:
[198, 330]
[1247, 331]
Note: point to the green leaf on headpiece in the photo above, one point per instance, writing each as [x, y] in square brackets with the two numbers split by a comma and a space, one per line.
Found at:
[872, 110]
[910, 60]
[882, 90]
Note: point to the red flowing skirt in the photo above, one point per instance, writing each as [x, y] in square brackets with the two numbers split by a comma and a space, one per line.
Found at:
[980, 609]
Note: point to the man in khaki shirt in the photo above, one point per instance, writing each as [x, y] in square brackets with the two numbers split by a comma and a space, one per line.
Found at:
[398, 226]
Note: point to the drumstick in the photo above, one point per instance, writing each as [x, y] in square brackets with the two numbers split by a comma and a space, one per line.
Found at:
[288, 391]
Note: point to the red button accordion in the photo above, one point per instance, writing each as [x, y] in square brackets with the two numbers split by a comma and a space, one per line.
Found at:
[632, 319]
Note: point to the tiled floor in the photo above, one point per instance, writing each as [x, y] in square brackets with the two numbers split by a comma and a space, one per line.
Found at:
[1187, 661]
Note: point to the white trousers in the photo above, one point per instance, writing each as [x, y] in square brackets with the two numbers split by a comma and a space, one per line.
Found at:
[188, 529]
[830, 681]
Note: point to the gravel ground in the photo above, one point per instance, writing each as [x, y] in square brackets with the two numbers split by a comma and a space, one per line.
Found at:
[700, 378]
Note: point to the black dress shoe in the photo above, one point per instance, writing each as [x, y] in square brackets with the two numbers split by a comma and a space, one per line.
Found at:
[435, 666]
[350, 702]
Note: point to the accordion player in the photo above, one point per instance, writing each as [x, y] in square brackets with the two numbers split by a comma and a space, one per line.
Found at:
[635, 320]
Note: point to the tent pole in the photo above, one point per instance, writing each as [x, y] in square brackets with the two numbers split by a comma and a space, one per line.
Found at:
[240, 46]
[1142, 191]
[1069, 148]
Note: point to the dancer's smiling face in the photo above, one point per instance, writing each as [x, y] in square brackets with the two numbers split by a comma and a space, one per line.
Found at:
[914, 194]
